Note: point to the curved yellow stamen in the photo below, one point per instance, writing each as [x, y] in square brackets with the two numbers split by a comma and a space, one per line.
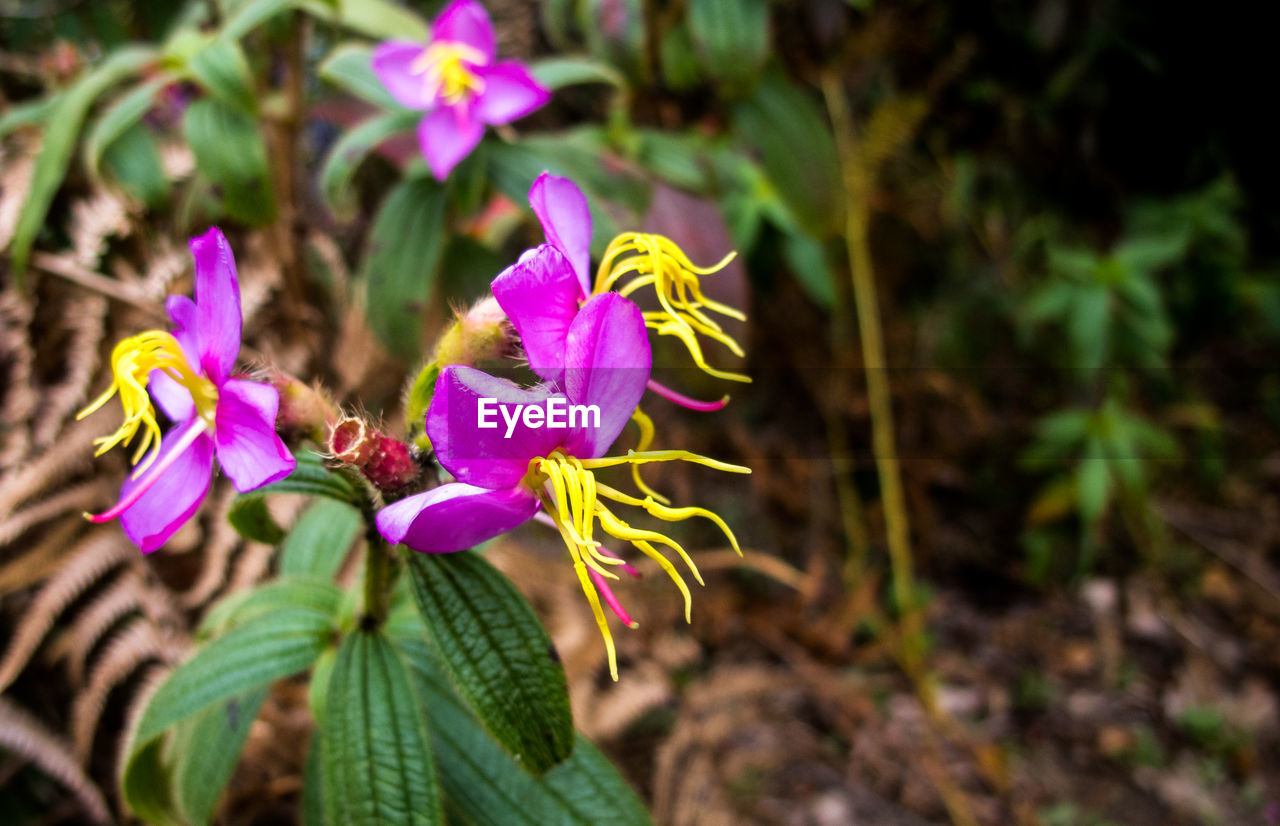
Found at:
[645, 424]
[132, 361]
[446, 73]
[574, 500]
[657, 261]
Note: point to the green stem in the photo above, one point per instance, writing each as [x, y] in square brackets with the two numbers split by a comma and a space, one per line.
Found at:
[858, 182]
[381, 565]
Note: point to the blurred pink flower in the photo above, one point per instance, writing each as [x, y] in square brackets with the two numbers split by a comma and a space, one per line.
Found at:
[454, 79]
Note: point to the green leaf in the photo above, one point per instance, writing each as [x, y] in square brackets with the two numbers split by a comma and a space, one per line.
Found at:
[808, 261]
[252, 520]
[485, 786]
[382, 20]
[1093, 482]
[405, 245]
[27, 114]
[133, 160]
[320, 540]
[376, 753]
[248, 16]
[222, 69]
[1088, 326]
[312, 478]
[679, 159]
[286, 593]
[255, 654]
[558, 72]
[679, 64]
[348, 68]
[229, 151]
[313, 785]
[616, 33]
[784, 125]
[122, 114]
[350, 151]
[61, 130]
[731, 37]
[497, 653]
[205, 751]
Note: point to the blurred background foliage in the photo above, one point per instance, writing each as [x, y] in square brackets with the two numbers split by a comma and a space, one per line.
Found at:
[1069, 210]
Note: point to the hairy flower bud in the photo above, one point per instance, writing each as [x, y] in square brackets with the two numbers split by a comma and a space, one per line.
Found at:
[387, 463]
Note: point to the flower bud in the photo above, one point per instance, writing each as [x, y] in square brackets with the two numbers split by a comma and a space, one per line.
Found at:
[387, 463]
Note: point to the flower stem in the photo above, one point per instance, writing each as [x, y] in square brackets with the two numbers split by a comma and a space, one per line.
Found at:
[858, 180]
[381, 565]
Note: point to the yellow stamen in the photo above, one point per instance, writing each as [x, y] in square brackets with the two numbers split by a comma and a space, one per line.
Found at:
[645, 424]
[657, 261]
[572, 497]
[132, 361]
[446, 70]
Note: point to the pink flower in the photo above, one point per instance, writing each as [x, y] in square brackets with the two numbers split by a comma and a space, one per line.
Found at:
[454, 79]
[521, 467]
[188, 374]
[542, 303]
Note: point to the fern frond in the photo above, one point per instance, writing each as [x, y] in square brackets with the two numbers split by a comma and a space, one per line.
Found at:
[139, 642]
[84, 318]
[94, 219]
[72, 452]
[86, 496]
[20, 400]
[121, 598]
[99, 551]
[215, 555]
[23, 735]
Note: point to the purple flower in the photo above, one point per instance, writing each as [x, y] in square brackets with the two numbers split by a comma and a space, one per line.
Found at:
[188, 374]
[454, 79]
[512, 468]
[541, 306]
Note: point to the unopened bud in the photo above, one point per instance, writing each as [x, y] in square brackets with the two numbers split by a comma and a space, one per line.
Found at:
[386, 462]
[481, 334]
[305, 411]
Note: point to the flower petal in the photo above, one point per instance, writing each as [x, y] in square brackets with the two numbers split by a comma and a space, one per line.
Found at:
[217, 296]
[182, 311]
[485, 456]
[172, 498]
[466, 21]
[455, 517]
[510, 92]
[249, 450]
[540, 296]
[172, 397]
[562, 210]
[447, 135]
[607, 362]
[392, 63]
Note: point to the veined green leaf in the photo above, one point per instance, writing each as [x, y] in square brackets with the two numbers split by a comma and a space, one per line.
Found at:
[378, 767]
[288, 592]
[351, 150]
[348, 68]
[205, 749]
[405, 245]
[312, 478]
[250, 656]
[319, 541]
[61, 129]
[497, 653]
[229, 151]
[796, 148]
[731, 37]
[483, 785]
[313, 785]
